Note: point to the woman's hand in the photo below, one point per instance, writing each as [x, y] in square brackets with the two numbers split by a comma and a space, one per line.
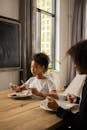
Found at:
[71, 98]
[51, 103]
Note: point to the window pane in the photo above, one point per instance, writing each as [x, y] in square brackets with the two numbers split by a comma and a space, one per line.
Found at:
[46, 35]
[46, 5]
[45, 28]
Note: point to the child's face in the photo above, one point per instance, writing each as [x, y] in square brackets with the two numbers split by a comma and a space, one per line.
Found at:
[36, 69]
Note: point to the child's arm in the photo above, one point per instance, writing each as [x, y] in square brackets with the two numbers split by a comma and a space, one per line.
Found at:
[18, 88]
[37, 93]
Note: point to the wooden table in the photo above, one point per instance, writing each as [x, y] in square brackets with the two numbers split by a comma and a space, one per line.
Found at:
[25, 114]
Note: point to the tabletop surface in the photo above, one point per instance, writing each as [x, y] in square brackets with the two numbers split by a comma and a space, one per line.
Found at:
[25, 114]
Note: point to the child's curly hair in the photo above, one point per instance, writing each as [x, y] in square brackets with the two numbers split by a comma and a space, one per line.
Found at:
[42, 59]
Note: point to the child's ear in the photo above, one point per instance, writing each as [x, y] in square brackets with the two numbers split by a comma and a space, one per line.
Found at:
[44, 69]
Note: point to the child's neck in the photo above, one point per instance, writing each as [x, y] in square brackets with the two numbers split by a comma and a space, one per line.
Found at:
[40, 76]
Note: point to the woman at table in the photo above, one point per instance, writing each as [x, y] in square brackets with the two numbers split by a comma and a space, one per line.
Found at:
[76, 120]
[39, 84]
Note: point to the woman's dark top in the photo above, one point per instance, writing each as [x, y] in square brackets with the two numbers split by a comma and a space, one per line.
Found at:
[79, 119]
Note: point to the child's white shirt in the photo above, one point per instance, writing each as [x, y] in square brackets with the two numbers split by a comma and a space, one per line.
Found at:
[43, 85]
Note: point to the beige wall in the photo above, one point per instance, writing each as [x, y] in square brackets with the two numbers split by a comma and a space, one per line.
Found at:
[10, 9]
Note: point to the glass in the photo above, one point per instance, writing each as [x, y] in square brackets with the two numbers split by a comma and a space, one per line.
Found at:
[45, 28]
[46, 5]
[46, 35]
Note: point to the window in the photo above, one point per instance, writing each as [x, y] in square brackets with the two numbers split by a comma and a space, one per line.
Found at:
[45, 28]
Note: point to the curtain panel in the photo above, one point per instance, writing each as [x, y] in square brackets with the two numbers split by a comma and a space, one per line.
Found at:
[27, 19]
[78, 31]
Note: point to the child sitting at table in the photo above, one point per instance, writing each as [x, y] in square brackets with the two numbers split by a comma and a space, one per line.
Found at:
[39, 84]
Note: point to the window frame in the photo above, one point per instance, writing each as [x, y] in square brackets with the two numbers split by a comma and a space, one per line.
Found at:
[38, 31]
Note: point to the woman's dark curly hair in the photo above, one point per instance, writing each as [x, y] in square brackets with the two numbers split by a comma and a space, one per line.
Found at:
[42, 59]
[78, 53]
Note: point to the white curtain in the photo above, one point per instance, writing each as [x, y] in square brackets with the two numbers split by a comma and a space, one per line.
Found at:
[78, 31]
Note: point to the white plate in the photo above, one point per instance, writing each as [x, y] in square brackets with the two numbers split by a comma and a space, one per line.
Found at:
[66, 104]
[23, 94]
[62, 97]
[44, 106]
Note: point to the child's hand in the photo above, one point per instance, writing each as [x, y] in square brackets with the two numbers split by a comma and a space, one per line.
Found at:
[54, 95]
[71, 98]
[15, 88]
[34, 91]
